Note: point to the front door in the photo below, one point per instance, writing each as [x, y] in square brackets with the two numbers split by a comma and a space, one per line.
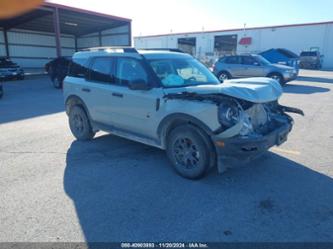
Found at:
[134, 110]
[252, 67]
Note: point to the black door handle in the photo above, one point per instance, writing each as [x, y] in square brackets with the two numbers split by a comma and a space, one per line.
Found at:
[119, 95]
[86, 90]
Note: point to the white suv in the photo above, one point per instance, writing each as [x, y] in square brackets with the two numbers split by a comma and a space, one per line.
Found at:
[171, 101]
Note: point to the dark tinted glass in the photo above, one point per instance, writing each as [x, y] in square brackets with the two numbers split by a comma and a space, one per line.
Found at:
[232, 60]
[78, 68]
[101, 69]
[309, 54]
[248, 60]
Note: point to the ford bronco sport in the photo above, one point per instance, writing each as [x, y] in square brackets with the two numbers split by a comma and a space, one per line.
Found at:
[171, 101]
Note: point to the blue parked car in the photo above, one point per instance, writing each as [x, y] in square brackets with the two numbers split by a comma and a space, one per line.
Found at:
[282, 56]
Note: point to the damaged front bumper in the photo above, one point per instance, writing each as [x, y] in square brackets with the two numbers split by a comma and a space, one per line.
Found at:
[242, 149]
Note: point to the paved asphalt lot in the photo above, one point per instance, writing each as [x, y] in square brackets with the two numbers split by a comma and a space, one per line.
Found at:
[110, 189]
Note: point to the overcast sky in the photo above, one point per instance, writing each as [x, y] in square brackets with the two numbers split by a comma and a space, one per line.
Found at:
[165, 16]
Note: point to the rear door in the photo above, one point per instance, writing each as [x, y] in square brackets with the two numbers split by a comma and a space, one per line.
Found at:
[96, 89]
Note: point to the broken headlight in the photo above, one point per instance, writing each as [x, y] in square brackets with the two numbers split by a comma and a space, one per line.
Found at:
[229, 113]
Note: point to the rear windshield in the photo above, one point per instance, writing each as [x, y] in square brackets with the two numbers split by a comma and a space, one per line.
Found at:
[309, 54]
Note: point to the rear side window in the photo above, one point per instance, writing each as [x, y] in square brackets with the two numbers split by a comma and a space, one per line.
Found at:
[101, 69]
[129, 70]
[232, 60]
[78, 68]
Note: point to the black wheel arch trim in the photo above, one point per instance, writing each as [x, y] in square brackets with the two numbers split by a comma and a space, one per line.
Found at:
[77, 101]
[171, 121]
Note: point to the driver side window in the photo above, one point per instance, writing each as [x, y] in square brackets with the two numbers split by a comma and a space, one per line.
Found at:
[129, 70]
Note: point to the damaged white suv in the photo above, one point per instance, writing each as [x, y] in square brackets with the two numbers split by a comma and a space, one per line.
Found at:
[171, 101]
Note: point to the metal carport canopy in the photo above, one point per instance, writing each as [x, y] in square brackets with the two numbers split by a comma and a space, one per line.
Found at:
[61, 19]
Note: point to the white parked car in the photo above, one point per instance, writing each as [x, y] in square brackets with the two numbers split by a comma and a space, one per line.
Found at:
[171, 101]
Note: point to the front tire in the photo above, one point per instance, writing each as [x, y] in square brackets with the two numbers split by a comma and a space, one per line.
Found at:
[79, 124]
[278, 77]
[189, 151]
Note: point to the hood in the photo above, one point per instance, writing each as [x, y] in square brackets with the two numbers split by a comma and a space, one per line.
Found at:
[256, 90]
[283, 67]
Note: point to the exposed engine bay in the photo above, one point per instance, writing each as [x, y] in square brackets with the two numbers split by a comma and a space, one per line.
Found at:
[247, 129]
[252, 119]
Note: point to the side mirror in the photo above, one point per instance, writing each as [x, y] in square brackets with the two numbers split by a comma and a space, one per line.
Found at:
[138, 84]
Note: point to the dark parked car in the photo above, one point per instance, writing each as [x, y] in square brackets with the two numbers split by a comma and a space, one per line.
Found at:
[281, 56]
[310, 59]
[10, 70]
[57, 70]
[244, 66]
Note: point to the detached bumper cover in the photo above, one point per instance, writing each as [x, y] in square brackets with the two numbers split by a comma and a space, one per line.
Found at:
[238, 149]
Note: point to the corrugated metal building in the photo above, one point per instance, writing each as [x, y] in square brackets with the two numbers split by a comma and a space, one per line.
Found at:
[54, 30]
[209, 45]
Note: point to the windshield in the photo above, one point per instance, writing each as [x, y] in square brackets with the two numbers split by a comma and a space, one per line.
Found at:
[182, 72]
[262, 60]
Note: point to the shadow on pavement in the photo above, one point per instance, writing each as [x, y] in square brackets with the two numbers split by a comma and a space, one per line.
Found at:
[304, 89]
[29, 98]
[126, 191]
[315, 79]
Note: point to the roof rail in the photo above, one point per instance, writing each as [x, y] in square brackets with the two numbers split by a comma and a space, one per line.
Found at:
[115, 49]
[164, 49]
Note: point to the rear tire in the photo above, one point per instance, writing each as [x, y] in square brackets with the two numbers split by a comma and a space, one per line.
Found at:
[189, 151]
[79, 124]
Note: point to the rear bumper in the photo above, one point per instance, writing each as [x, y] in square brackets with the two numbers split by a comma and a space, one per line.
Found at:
[239, 149]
